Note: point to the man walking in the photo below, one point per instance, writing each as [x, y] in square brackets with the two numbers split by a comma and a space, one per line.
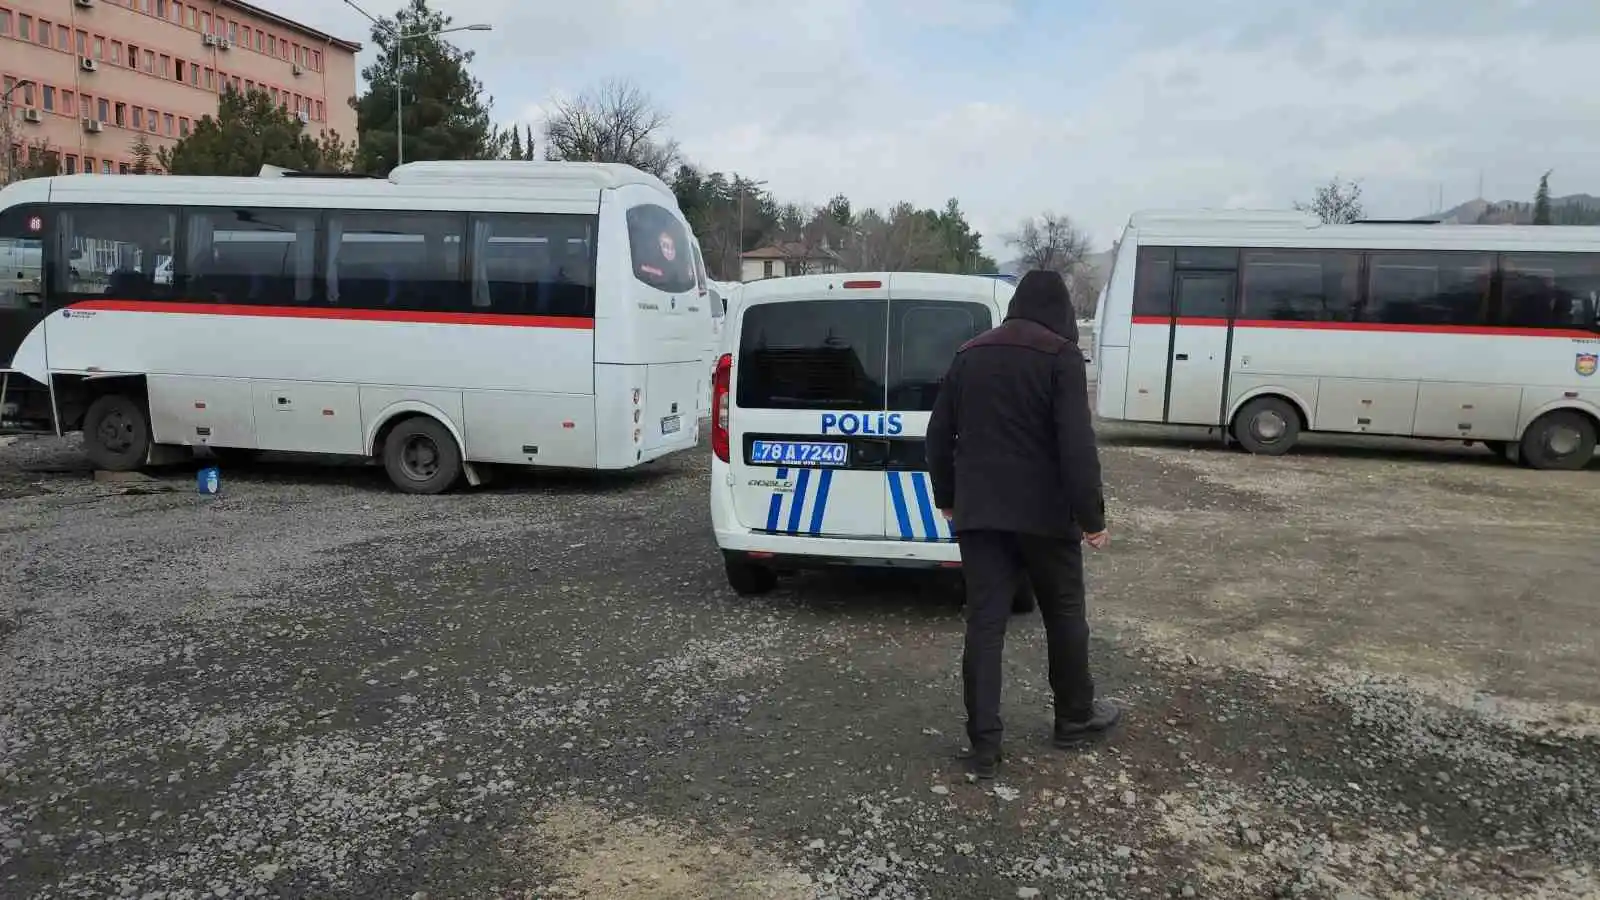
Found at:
[1012, 455]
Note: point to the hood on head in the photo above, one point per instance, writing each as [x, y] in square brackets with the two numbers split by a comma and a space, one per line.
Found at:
[1042, 297]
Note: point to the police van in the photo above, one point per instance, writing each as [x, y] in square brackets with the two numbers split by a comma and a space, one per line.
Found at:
[820, 403]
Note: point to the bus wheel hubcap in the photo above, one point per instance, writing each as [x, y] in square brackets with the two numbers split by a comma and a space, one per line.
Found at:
[420, 458]
[116, 432]
[1269, 426]
[1563, 441]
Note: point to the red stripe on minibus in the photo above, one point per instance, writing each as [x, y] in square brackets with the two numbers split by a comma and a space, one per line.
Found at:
[1497, 330]
[334, 312]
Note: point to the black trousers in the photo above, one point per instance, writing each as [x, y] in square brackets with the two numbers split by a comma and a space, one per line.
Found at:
[995, 564]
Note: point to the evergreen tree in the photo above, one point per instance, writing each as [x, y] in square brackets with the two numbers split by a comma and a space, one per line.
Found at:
[446, 112]
[144, 157]
[250, 131]
[1541, 201]
[516, 151]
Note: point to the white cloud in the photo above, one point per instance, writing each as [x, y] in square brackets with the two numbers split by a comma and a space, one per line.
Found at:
[1016, 108]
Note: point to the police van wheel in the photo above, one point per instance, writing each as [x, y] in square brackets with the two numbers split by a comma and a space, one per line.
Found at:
[1268, 426]
[1563, 440]
[421, 456]
[749, 579]
[116, 433]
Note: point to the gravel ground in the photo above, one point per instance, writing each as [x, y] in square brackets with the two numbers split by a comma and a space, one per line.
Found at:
[1352, 672]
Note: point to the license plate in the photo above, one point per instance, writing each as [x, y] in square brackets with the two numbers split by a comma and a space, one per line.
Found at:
[798, 453]
[671, 424]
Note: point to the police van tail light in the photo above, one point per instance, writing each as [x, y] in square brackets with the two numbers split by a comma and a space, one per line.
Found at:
[721, 383]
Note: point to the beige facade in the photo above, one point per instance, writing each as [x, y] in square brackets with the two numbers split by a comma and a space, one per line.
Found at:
[103, 71]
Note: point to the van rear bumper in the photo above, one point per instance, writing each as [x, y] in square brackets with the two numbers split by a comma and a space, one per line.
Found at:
[794, 551]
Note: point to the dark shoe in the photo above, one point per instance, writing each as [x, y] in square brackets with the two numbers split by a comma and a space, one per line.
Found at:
[1072, 732]
[983, 763]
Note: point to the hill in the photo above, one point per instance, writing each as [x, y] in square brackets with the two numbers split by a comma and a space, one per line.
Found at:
[1573, 209]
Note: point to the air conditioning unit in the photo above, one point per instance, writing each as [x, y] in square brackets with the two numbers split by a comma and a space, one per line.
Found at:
[223, 43]
[210, 40]
[93, 126]
[32, 115]
[297, 70]
[87, 64]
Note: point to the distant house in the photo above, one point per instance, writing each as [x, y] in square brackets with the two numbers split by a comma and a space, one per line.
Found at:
[787, 258]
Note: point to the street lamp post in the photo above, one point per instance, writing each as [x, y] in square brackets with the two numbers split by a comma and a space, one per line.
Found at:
[744, 188]
[10, 135]
[400, 38]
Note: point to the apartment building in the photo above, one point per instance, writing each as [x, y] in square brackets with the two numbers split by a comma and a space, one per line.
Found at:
[87, 77]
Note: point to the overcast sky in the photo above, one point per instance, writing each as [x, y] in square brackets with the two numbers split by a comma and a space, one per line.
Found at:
[1095, 108]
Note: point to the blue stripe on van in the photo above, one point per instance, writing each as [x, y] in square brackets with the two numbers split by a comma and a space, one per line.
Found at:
[776, 506]
[898, 494]
[821, 505]
[919, 482]
[798, 506]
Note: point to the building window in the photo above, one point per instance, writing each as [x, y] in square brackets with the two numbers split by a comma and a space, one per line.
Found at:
[261, 41]
[122, 115]
[150, 61]
[194, 74]
[161, 8]
[210, 79]
[155, 119]
[83, 43]
[249, 86]
[178, 68]
[272, 42]
[237, 84]
[183, 127]
[72, 165]
[316, 60]
[205, 23]
[99, 47]
[44, 32]
[122, 168]
[233, 32]
[5, 23]
[63, 38]
[49, 99]
[25, 27]
[319, 111]
[167, 120]
[166, 66]
[133, 57]
[105, 167]
[67, 103]
[116, 53]
[194, 17]
[105, 109]
[88, 165]
[138, 117]
[274, 96]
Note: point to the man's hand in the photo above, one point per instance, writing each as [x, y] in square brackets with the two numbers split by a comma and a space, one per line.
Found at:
[949, 514]
[1099, 540]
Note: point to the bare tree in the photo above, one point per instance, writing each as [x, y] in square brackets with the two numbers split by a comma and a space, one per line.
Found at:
[616, 122]
[1336, 203]
[1050, 241]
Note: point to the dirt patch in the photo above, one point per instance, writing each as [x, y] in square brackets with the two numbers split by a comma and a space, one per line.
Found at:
[594, 855]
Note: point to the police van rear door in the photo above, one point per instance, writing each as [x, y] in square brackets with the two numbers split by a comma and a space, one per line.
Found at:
[930, 317]
[807, 428]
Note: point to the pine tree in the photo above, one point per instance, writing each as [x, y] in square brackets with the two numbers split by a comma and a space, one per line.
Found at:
[528, 148]
[446, 112]
[144, 157]
[1541, 201]
[516, 144]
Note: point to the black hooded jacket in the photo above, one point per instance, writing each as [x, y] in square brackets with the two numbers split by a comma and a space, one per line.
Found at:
[1010, 443]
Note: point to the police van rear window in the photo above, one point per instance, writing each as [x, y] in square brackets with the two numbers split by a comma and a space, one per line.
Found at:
[813, 354]
[662, 255]
[924, 338]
